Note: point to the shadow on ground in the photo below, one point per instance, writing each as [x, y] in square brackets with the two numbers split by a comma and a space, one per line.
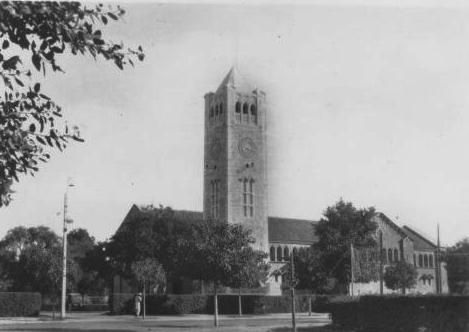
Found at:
[327, 328]
[62, 329]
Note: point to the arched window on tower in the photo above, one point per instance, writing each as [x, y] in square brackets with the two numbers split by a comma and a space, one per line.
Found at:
[279, 254]
[420, 260]
[430, 260]
[272, 254]
[425, 261]
[253, 114]
[221, 110]
[390, 255]
[286, 253]
[210, 115]
[396, 255]
[238, 112]
[245, 113]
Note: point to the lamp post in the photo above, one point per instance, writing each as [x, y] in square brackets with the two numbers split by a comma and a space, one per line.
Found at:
[64, 256]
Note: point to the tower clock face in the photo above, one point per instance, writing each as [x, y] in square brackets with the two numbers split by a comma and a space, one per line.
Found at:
[215, 150]
[247, 148]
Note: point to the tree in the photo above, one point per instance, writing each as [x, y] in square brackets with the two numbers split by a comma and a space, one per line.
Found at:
[33, 35]
[148, 272]
[400, 275]
[86, 280]
[250, 270]
[217, 252]
[342, 226]
[155, 235]
[457, 264]
[20, 238]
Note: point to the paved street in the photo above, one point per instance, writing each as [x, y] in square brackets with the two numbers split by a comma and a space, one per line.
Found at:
[97, 322]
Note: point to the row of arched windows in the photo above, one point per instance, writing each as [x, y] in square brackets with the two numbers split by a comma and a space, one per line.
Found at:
[282, 253]
[390, 255]
[425, 261]
[245, 113]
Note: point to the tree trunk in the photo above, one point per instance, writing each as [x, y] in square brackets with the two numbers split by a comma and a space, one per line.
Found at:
[240, 308]
[144, 305]
[309, 305]
[215, 305]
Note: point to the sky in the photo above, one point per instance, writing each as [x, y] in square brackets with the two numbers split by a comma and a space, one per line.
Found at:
[366, 102]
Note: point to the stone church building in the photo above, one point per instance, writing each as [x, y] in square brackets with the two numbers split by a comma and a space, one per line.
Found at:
[235, 188]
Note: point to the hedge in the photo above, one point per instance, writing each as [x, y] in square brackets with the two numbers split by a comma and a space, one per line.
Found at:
[203, 304]
[14, 304]
[435, 313]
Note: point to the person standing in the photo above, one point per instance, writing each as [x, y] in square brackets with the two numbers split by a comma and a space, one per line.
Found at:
[137, 303]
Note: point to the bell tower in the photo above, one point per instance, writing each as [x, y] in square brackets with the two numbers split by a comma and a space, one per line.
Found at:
[235, 165]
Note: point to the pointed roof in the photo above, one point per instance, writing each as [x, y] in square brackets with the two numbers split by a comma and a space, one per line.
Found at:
[235, 79]
[420, 242]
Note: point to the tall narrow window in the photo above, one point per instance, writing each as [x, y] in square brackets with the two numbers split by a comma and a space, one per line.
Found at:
[248, 197]
[279, 254]
[390, 255]
[245, 113]
[425, 261]
[215, 197]
[221, 109]
[286, 253]
[396, 255]
[383, 255]
[415, 261]
[253, 114]
[420, 261]
[272, 254]
[216, 112]
[430, 260]
[210, 115]
[238, 112]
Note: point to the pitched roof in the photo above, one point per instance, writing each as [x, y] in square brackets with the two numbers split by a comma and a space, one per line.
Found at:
[281, 230]
[420, 242]
[236, 80]
[287, 230]
[391, 223]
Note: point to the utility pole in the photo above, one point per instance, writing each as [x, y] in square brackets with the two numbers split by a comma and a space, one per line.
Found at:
[381, 263]
[351, 269]
[292, 288]
[438, 261]
[64, 254]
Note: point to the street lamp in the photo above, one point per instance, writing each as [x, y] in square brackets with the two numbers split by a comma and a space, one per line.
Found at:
[64, 257]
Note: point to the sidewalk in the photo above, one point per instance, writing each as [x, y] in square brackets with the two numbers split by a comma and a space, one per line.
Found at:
[46, 317]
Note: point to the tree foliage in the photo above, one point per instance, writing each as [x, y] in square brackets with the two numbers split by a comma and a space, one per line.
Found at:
[217, 252]
[33, 36]
[457, 264]
[154, 234]
[400, 275]
[149, 272]
[308, 272]
[343, 225]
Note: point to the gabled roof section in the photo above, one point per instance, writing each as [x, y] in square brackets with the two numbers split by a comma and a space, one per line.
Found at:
[281, 230]
[420, 242]
[295, 231]
[391, 223]
[235, 79]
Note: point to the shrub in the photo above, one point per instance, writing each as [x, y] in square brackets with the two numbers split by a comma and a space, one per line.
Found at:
[203, 304]
[16, 304]
[403, 313]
